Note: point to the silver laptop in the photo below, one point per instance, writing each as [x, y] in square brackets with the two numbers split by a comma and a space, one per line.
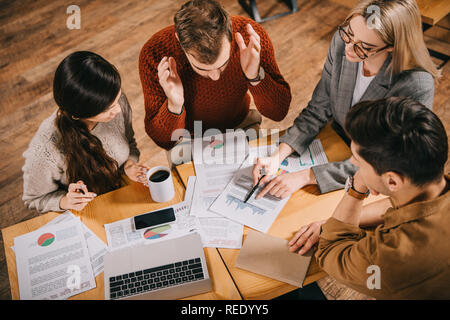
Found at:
[168, 269]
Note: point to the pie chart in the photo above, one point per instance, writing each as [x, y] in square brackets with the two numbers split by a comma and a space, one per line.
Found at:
[216, 144]
[46, 239]
[156, 233]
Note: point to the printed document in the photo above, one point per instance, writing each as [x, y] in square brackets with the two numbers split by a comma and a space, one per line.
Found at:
[53, 262]
[216, 159]
[260, 214]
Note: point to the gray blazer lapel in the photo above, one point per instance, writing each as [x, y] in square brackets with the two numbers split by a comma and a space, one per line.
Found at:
[347, 80]
[379, 86]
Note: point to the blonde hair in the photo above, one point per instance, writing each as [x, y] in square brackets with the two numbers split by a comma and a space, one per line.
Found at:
[400, 26]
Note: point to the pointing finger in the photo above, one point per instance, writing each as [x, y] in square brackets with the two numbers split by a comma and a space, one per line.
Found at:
[267, 189]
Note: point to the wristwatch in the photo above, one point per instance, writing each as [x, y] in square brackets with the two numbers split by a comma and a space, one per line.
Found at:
[350, 190]
[259, 77]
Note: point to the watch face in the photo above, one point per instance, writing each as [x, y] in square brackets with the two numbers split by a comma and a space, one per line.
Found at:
[347, 184]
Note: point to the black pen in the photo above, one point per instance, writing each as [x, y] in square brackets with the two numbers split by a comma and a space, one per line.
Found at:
[254, 189]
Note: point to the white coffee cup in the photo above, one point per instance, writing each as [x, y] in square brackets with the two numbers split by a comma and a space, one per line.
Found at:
[161, 185]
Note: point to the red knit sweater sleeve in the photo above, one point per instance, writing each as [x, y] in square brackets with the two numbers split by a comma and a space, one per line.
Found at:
[159, 121]
[272, 95]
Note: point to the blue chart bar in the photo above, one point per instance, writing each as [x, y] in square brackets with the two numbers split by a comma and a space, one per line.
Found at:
[241, 205]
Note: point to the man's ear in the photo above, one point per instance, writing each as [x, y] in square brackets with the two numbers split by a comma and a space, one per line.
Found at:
[393, 181]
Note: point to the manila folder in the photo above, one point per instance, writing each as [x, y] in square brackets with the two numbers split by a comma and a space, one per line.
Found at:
[270, 257]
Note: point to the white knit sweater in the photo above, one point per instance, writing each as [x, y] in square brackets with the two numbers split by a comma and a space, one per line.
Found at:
[44, 173]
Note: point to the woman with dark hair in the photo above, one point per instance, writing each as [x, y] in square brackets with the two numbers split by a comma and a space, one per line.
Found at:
[84, 148]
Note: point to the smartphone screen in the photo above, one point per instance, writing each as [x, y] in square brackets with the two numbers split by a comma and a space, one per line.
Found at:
[154, 218]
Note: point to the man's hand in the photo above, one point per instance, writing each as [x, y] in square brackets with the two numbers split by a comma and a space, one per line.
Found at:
[306, 237]
[171, 84]
[358, 183]
[250, 54]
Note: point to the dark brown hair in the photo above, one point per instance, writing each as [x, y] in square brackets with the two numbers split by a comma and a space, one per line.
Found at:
[84, 86]
[201, 26]
[400, 135]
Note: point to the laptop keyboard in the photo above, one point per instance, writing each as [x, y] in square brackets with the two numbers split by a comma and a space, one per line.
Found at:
[146, 280]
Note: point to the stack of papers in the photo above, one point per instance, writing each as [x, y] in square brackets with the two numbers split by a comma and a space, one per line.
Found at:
[214, 202]
[260, 214]
[59, 260]
[222, 185]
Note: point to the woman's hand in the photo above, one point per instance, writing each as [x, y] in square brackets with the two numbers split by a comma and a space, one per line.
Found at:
[306, 237]
[136, 172]
[287, 183]
[270, 166]
[77, 197]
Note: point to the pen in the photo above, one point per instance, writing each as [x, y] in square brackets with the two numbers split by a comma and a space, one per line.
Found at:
[254, 189]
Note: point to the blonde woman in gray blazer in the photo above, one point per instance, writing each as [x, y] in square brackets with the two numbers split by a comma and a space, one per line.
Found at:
[370, 57]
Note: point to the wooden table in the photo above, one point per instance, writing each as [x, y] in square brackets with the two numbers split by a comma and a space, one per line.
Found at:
[116, 205]
[305, 206]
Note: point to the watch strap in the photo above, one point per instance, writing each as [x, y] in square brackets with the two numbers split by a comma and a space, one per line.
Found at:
[258, 77]
[355, 193]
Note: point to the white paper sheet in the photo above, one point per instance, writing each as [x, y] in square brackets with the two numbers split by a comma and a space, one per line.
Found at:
[96, 247]
[260, 214]
[216, 159]
[221, 233]
[217, 232]
[122, 234]
[53, 262]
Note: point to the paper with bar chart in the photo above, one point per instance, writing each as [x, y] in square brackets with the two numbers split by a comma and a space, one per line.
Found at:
[257, 214]
[260, 214]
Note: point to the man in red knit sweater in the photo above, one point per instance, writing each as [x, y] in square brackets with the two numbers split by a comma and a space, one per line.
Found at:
[201, 68]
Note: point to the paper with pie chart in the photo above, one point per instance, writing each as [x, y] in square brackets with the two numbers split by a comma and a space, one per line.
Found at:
[260, 214]
[53, 262]
[96, 247]
[122, 233]
[216, 159]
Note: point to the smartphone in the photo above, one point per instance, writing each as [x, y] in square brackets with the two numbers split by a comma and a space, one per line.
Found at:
[154, 218]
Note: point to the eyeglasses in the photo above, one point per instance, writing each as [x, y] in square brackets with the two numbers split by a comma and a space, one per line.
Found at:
[360, 52]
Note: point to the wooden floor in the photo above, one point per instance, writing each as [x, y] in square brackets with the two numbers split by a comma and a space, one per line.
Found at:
[34, 39]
